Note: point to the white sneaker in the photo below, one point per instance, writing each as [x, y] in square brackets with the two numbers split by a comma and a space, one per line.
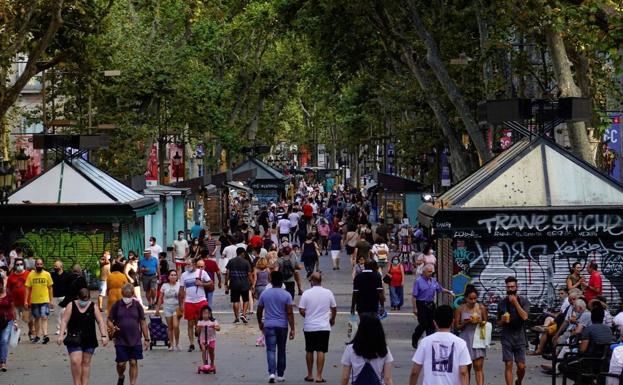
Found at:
[280, 379]
[57, 332]
[271, 379]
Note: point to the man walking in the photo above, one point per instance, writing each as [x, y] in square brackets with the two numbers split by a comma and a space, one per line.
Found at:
[288, 266]
[181, 250]
[39, 295]
[127, 319]
[16, 288]
[238, 282]
[512, 314]
[192, 298]
[60, 279]
[319, 309]
[273, 322]
[148, 266]
[443, 356]
[423, 299]
[368, 294]
[154, 248]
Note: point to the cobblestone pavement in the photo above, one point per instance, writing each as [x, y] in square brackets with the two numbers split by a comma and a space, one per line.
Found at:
[238, 360]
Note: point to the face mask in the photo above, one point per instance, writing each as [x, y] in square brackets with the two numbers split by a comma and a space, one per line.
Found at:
[83, 303]
[511, 292]
[189, 269]
[57, 269]
[127, 301]
[196, 242]
[39, 269]
[19, 269]
[395, 262]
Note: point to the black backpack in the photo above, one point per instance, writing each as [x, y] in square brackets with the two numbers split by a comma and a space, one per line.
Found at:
[367, 376]
[287, 269]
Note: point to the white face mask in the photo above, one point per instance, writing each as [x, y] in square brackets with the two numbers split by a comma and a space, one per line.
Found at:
[127, 301]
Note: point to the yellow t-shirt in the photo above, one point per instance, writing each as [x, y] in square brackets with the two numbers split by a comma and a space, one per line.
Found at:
[39, 284]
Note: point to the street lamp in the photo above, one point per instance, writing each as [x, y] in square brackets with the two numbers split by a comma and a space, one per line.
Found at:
[199, 158]
[6, 181]
[21, 160]
[177, 161]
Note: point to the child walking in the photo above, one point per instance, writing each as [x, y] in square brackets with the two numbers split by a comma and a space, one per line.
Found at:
[205, 331]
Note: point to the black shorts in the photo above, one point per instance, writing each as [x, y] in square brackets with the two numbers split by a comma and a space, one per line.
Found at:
[235, 295]
[317, 341]
[349, 250]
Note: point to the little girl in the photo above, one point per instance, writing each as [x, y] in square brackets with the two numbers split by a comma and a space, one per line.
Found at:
[206, 330]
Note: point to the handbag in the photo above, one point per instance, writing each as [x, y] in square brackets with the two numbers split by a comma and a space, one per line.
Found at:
[482, 336]
[387, 279]
[14, 339]
[73, 338]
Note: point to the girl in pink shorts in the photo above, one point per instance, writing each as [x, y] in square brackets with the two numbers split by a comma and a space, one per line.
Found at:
[205, 331]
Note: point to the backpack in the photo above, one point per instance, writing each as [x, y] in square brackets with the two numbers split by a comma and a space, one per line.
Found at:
[367, 376]
[287, 269]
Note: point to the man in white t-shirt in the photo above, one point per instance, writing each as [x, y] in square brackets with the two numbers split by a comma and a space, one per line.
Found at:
[284, 226]
[318, 306]
[154, 248]
[294, 218]
[180, 248]
[229, 252]
[444, 356]
[195, 281]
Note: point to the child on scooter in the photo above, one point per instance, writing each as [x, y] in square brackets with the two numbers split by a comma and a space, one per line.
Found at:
[205, 331]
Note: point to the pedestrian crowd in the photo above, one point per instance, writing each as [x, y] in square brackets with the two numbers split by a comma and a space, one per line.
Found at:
[259, 261]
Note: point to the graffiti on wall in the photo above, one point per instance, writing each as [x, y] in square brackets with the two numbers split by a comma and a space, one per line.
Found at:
[69, 245]
[540, 266]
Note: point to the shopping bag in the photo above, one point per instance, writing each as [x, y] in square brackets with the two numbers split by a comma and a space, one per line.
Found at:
[482, 336]
[351, 326]
[14, 339]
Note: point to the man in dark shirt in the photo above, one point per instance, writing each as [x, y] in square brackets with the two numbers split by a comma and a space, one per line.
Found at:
[381, 232]
[238, 282]
[59, 290]
[368, 293]
[127, 319]
[594, 337]
[512, 314]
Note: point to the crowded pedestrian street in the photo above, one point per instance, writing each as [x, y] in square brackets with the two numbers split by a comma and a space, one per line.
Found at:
[239, 360]
[350, 192]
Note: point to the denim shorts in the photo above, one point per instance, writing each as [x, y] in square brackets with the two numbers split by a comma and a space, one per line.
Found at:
[72, 349]
[40, 310]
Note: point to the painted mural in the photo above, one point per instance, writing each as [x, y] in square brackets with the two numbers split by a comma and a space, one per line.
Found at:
[71, 245]
[540, 265]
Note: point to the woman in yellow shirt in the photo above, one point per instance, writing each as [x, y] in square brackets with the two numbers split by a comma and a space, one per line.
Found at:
[114, 283]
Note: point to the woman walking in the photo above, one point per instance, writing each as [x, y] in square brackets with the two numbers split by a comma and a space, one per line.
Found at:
[396, 285]
[368, 349]
[309, 255]
[169, 302]
[350, 240]
[7, 312]
[467, 318]
[79, 320]
[261, 277]
[116, 280]
[131, 272]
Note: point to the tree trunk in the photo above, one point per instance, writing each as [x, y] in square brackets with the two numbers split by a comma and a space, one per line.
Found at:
[459, 158]
[578, 137]
[433, 59]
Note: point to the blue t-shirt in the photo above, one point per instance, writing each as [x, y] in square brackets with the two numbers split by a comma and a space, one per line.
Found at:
[150, 264]
[275, 301]
[194, 231]
[335, 239]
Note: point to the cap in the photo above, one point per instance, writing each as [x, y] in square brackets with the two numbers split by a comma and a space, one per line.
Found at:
[147, 251]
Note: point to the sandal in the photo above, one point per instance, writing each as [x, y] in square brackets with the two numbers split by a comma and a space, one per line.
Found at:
[309, 379]
[323, 380]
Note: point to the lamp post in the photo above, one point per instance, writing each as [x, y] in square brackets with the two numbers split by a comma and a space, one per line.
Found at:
[199, 164]
[21, 159]
[6, 181]
[177, 161]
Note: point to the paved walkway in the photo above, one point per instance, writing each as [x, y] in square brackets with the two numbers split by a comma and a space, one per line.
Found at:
[239, 361]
